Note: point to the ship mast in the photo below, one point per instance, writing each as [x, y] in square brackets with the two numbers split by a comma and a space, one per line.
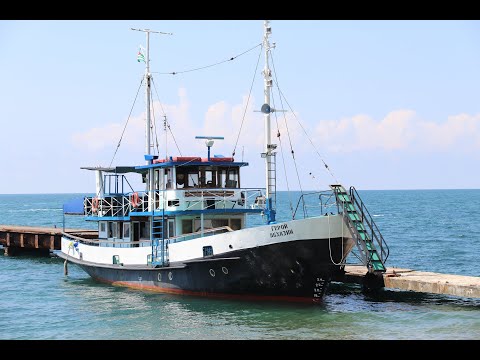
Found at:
[148, 92]
[269, 153]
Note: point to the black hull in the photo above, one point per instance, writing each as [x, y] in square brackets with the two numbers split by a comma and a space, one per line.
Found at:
[290, 271]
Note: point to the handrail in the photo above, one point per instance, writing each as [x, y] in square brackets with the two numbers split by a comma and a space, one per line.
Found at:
[173, 239]
[228, 228]
[192, 198]
[326, 193]
[98, 241]
[361, 245]
[375, 231]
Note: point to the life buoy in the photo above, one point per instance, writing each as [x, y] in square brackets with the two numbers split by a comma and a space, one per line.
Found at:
[134, 199]
[95, 204]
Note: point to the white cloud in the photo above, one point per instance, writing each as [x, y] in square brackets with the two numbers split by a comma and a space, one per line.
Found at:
[221, 119]
[107, 137]
[399, 130]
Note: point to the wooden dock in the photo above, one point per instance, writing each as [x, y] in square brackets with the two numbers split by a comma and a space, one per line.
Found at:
[412, 280]
[17, 239]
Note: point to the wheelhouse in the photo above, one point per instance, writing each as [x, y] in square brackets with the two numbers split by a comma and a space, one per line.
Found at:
[192, 197]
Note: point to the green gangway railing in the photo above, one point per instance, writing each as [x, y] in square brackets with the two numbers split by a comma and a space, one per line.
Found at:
[373, 249]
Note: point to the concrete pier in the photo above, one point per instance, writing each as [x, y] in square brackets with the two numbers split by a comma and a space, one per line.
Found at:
[420, 281]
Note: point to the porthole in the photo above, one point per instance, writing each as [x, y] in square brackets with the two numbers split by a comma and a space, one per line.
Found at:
[212, 272]
[224, 270]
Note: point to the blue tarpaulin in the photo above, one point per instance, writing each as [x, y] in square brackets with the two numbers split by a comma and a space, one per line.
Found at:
[73, 207]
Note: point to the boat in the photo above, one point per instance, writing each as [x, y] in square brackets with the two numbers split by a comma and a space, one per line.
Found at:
[187, 231]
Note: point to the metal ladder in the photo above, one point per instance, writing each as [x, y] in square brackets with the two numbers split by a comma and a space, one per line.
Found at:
[272, 177]
[358, 220]
[159, 248]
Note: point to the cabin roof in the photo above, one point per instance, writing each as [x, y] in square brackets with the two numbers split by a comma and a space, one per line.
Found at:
[192, 161]
[116, 169]
[172, 161]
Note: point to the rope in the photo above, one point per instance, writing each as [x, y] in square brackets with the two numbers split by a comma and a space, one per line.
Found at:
[309, 139]
[125, 127]
[248, 100]
[329, 245]
[207, 66]
[65, 266]
[286, 126]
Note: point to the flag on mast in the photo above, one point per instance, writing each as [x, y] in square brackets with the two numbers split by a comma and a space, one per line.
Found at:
[140, 56]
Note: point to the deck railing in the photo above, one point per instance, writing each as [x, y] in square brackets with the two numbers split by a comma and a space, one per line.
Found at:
[316, 204]
[146, 242]
[114, 205]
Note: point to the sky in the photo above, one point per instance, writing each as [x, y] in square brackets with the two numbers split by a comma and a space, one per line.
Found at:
[385, 104]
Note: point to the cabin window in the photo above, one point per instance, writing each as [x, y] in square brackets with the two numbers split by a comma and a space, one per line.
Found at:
[158, 179]
[102, 227]
[232, 178]
[210, 224]
[207, 251]
[126, 230]
[210, 178]
[181, 177]
[168, 176]
[192, 180]
[175, 202]
[187, 226]
[228, 177]
[187, 176]
[222, 177]
[235, 224]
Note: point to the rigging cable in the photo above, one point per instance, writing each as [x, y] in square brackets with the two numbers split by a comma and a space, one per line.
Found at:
[283, 160]
[126, 123]
[164, 119]
[207, 66]
[309, 139]
[166, 135]
[286, 126]
[167, 124]
[153, 127]
[248, 100]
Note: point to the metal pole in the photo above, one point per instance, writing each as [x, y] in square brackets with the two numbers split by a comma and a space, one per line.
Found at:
[266, 75]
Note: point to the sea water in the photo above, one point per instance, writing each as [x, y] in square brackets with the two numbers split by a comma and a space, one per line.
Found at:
[430, 230]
